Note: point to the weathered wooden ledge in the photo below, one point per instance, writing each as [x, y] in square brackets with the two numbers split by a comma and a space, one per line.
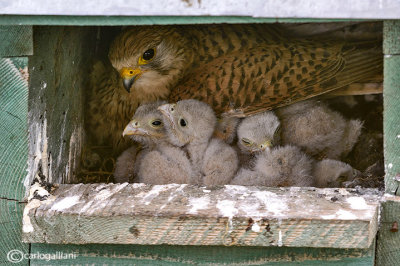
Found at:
[190, 215]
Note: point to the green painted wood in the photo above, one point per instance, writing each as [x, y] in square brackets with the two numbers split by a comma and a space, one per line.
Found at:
[16, 40]
[388, 244]
[148, 20]
[391, 122]
[391, 35]
[201, 255]
[13, 155]
[59, 71]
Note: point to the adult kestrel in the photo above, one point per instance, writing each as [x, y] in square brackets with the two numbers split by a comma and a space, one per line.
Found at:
[237, 69]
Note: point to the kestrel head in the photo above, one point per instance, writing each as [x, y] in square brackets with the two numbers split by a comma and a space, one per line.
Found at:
[258, 133]
[146, 126]
[149, 59]
[188, 121]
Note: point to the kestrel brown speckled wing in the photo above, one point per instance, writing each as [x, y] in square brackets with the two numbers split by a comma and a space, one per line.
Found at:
[251, 81]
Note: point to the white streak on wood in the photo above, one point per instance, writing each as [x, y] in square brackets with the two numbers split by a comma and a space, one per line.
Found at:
[35, 190]
[75, 149]
[65, 203]
[357, 203]
[38, 133]
[178, 190]
[227, 209]
[198, 204]
[272, 202]
[345, 215]
[26, 220]
[255, 227]
[280, 238]
[153, 193]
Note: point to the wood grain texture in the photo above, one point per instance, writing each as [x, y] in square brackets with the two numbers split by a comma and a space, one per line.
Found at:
[204, 255]
[13, 154]
[58, 72]
[189, 215]
[391, 122]
[388, 244]
[16, 40]
[391, 33]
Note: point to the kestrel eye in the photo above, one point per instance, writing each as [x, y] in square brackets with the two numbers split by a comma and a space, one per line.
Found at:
[182, 122]
[156, 123]
[148, 55]
[246, 142]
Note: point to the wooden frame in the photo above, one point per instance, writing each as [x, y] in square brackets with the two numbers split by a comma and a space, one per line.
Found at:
[388, 239]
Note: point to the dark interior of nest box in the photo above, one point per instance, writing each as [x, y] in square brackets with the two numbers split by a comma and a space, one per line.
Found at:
[59, 72]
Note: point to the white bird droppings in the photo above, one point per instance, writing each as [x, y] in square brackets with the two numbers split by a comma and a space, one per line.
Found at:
[227, 208]
[390, 166]
[345, 215]
[255, 227]
[65, 203]
[357, 203]
[280, 239]
[198, 204]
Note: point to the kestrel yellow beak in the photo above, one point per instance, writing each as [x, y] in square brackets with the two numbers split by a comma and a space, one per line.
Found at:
[133, 129]
[129, 75]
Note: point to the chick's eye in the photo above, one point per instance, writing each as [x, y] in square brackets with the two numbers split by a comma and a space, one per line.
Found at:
[148, 54]
[156, 123]
[182, 122]
[246, 142]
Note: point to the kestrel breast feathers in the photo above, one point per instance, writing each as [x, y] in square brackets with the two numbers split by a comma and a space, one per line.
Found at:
[238, 69]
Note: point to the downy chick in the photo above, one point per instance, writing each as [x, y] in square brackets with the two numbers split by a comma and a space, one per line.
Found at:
[158, 162]
[256, 134]
[259, 135]
[318, 130]
[333, 173]
[190, 125]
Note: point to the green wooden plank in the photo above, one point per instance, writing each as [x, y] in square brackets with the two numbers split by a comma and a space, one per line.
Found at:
[148, 20]
[391, 35]
[201, 255]
[13, 155]
[13, 128]
[16, 40]
[391, 94]
[388, 245]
